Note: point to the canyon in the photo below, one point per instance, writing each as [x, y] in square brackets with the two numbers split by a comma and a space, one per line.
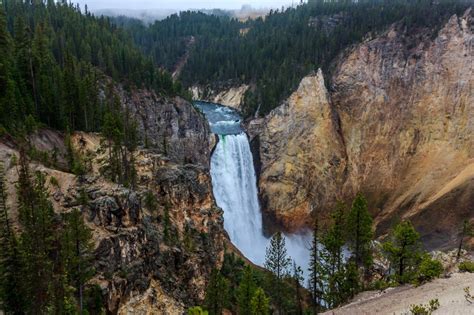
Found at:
[393, 119]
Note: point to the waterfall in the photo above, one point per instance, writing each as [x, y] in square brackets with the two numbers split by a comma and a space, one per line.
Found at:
[235, 190]
[234, 184]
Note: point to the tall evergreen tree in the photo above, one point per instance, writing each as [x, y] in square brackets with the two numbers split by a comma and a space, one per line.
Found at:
[359, 231]
[8, 106]
[37, 238]
[403, 250]
[78, 252]
[333, 260]
[259, 304]
[246, 291]
[278, 263]
[43, 280]
[351, 284]
[216, 293]
[297, 278]
[317, 275]
[11, 299]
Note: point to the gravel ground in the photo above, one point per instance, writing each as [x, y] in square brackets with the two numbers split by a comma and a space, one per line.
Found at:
[449, 292]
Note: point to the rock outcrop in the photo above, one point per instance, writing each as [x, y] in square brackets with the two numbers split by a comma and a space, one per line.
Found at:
[398, 126]
[232, 96]
[301, 138]
[172, 126]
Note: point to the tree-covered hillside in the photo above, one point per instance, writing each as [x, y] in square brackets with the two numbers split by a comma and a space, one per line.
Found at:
[274, 53]
[53, 59]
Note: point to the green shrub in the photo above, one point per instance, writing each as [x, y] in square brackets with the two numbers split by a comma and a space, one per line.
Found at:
[428, 309]
[428, 269]
[197, 310]
[151, 203]
[466, 266]
[379, 285]
[3, 131]
[54, 181]
[13, 161]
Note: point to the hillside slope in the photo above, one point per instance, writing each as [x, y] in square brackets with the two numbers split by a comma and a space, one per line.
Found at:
[156, 244]
[397, 124]
[449, 292]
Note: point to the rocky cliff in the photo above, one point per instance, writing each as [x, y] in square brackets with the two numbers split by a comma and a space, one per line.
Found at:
[301, 138]
[231, 96]
[156, 244]
[398, 125]
[171, 126]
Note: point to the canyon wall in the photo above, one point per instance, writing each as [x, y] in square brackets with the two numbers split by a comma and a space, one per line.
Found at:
[155, 244]
[301, 154]
[397, 125]
[169, 125]
[232, 96]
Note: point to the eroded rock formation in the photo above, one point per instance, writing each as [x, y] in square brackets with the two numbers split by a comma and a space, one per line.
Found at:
[172, 126]
[301, 153]
[398, 125]
[155, 244]
[232, 96]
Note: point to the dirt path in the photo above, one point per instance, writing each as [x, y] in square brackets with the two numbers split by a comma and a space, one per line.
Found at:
[449, 291]
[184, 59]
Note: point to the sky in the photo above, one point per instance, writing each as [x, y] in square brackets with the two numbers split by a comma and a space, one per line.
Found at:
[181, 4]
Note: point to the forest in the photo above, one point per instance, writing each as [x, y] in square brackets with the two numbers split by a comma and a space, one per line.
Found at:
[274, 53]
[55, 62]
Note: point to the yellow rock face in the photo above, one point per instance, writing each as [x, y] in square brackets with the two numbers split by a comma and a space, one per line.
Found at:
[300, 148]
[398, 126]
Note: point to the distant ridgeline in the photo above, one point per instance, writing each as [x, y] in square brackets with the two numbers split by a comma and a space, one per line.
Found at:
[273, 54]
[54, 60]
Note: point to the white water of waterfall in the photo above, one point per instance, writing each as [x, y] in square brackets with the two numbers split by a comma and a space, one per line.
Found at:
[234, 183]
[235, 190]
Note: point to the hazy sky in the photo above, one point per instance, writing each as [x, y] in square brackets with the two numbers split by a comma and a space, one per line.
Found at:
[180, 4]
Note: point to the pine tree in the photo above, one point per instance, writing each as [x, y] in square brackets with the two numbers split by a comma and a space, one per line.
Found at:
[467, 230]
[43, 77]
[37, 241]
[317, 275]
[351, 283]
[403, 250]
[24, 65]
[277, 262]
[297, 278]
[112, 130]
[359, 232]
[216, 293]
[246, 291]
[259, 304]
[78, 251]
[8, 108]
[333, 260]
[10, 264]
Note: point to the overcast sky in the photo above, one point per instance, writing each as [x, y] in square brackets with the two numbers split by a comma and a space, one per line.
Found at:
[180, 4]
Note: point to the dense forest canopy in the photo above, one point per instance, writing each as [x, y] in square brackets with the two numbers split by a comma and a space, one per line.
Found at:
[274, 53]
[56, 59]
